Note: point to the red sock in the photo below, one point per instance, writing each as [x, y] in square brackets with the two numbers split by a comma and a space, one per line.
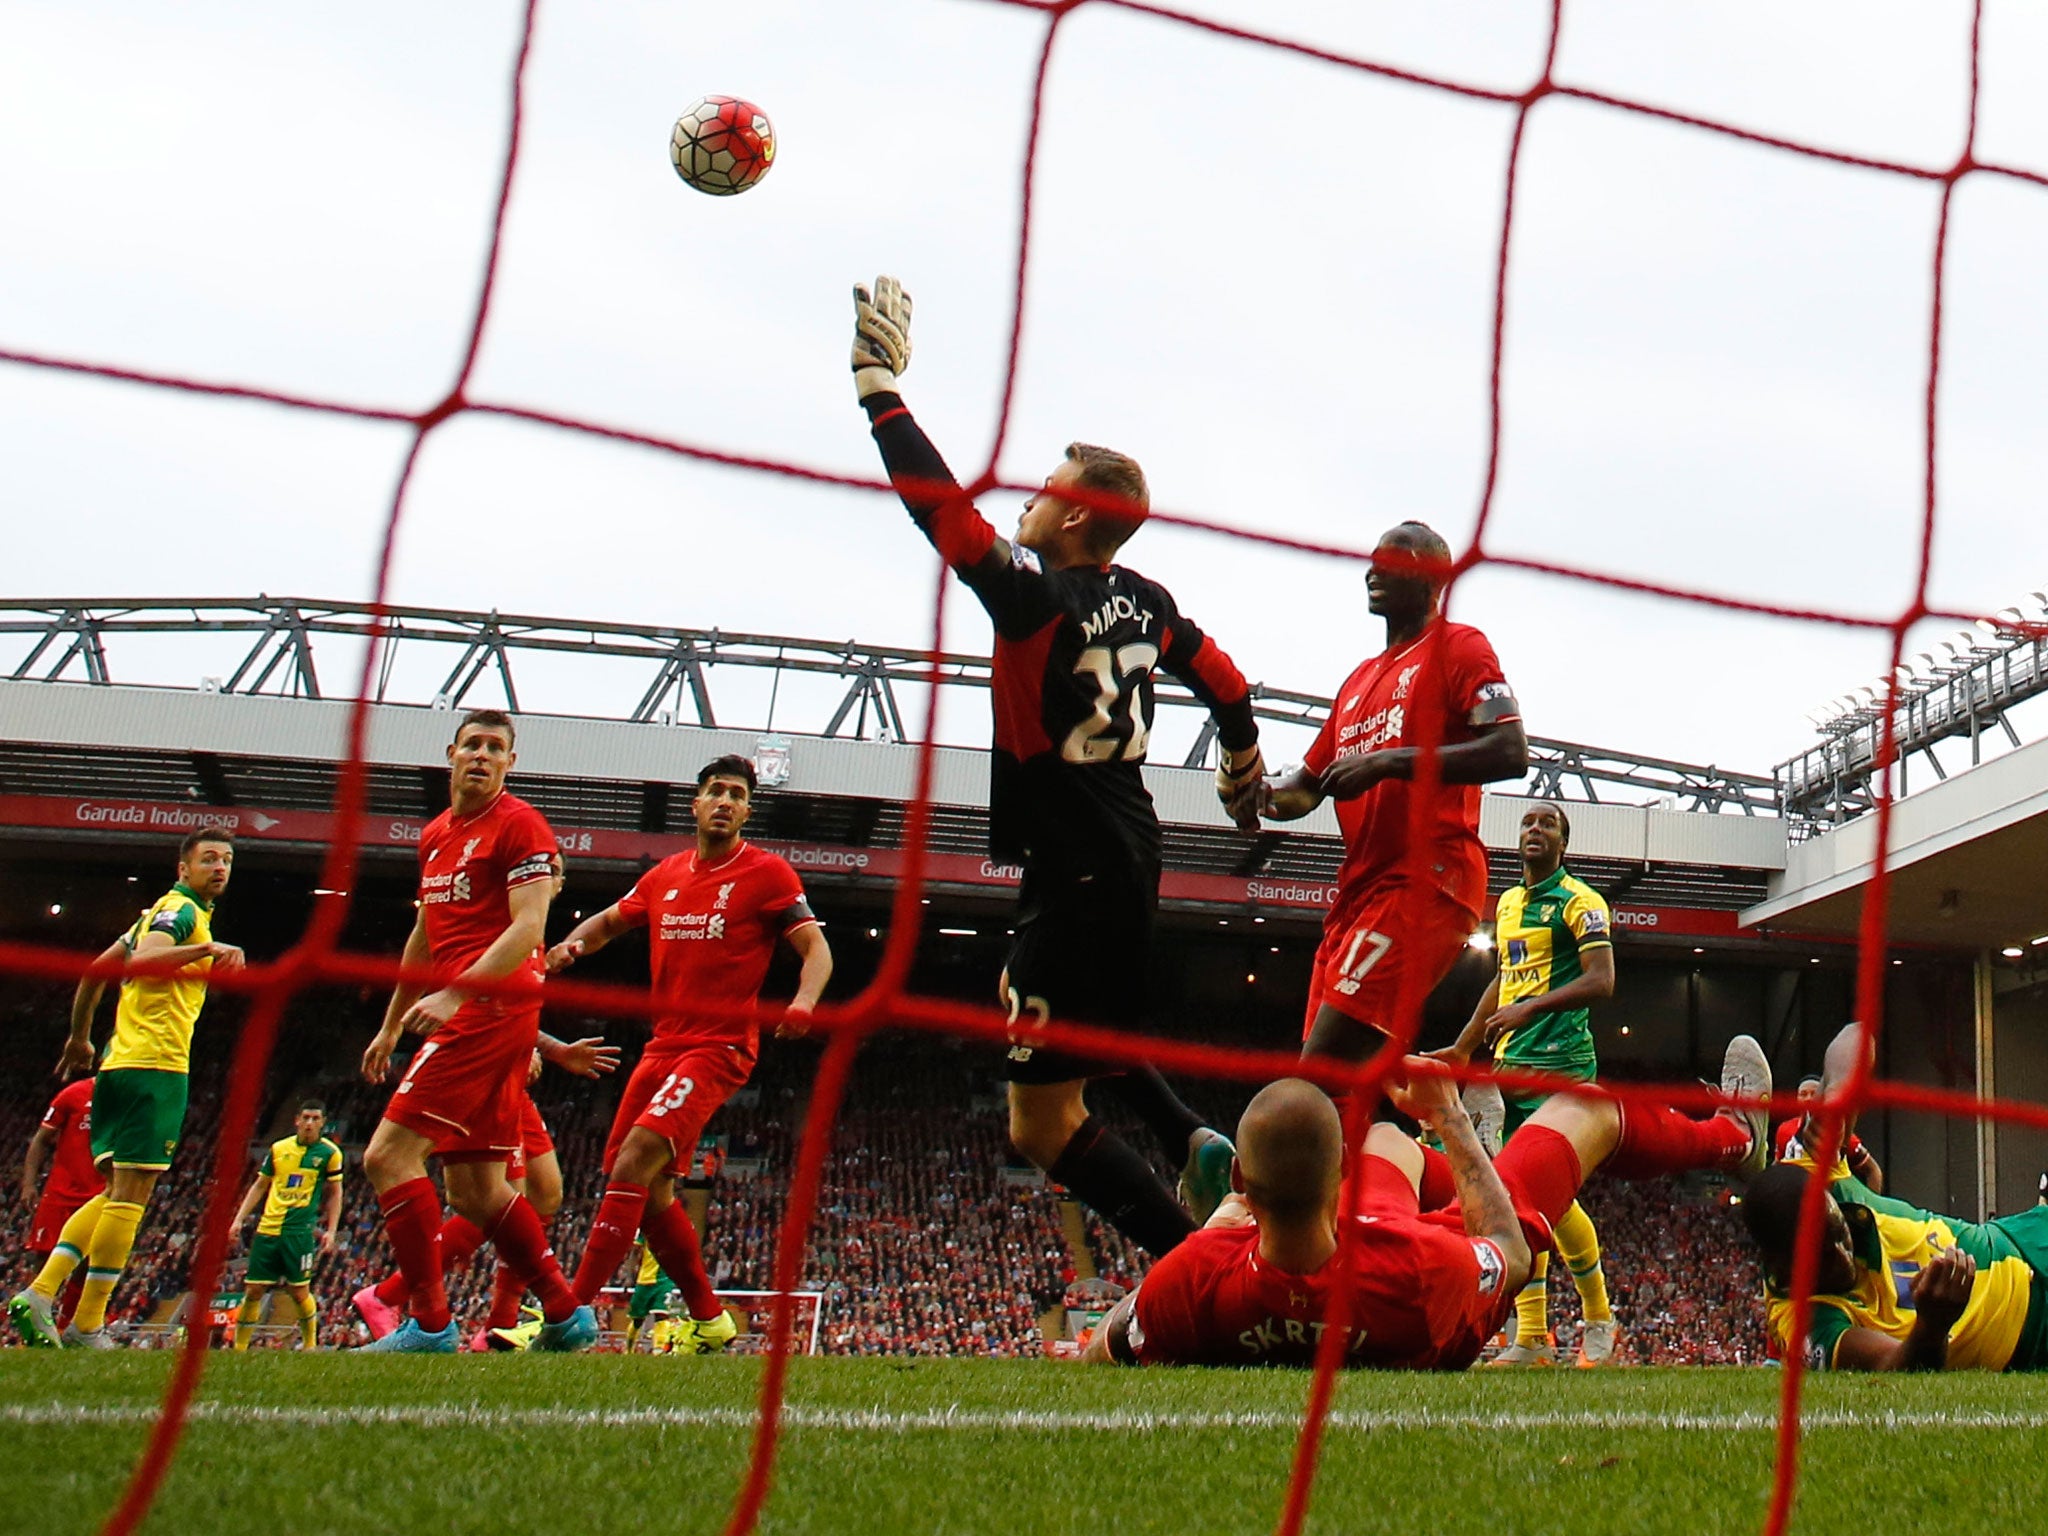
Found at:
[460, 1239]
[523, 1243]
[412, 1220]
[1438, 1187]
[1541, 1170]
[673, 1242]
[67, 1303]
[612, 1232]
[507, 1291]
[1656, 1141]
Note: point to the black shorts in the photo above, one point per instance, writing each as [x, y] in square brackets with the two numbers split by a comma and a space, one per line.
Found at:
[1084, 942]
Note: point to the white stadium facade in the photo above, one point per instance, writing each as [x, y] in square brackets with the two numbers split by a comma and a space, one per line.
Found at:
[1737, 898]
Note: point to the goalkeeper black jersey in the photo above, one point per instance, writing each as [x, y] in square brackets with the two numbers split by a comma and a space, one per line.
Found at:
[1075, 651]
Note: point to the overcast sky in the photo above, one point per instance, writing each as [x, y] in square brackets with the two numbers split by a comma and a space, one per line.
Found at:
[1267, 277]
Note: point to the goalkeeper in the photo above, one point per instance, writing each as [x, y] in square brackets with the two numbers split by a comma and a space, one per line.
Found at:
[1077, 640]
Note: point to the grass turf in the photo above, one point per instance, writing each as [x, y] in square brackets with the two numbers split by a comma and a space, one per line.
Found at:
[307, 1444]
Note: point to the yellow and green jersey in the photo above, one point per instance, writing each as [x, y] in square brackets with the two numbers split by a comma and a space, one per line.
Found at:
[153, 1023]
[2004, 1326]
[650, 1267]
[1542, 932]
[297, 1173]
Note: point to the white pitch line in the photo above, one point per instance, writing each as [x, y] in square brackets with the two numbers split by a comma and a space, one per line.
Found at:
[458, 1416]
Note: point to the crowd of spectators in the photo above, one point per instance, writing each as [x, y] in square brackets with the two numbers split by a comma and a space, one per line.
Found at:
[1681, 1275]
[929, 1237]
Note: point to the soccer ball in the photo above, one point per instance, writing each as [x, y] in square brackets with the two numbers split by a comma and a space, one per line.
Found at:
[722, 145]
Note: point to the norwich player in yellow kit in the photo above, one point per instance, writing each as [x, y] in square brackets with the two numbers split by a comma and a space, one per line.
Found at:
[138, 1100]
[1902, 1289]
[1554, 938]
[294, 1170]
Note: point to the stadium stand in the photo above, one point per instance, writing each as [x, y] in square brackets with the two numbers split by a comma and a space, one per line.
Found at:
[922, 1244]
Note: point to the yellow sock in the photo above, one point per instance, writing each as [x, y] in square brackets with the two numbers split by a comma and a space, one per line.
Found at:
[1532, 1307]
[70, 1249]
[245, 1319]
[309, 1322]
[113, 1239]
[1580, 1245]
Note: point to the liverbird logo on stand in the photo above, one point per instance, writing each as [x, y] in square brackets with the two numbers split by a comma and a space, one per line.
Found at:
[772, 761]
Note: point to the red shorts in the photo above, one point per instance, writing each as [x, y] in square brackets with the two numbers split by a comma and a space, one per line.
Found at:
[48, 1225]
[1374, 941]
[534, 1140]
[674, 1092]
[465, 1093]
[1384, 1189]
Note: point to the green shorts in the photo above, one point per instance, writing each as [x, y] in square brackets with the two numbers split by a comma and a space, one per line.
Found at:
[2028, 1230]
[652, 1297]
[1520, 1106]
[283, 1258]
[137, 1115]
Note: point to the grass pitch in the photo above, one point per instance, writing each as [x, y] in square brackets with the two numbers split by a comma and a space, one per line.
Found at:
[299, 1445]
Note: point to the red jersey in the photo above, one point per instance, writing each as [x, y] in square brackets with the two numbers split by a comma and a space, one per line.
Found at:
[1788, 1146]
[1444, 687]
[711, 931]
[72, 1177]
[468, 867]
[1425, 1296]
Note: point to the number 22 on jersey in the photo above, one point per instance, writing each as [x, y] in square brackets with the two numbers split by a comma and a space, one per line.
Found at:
[1118, 727]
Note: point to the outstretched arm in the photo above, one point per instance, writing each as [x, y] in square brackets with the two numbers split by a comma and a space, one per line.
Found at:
[1474, 1035]
[588, 937]
[1432, 1098]
[1008, 582]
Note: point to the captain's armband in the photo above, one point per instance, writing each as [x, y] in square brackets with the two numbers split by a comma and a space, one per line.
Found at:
[1496, 703]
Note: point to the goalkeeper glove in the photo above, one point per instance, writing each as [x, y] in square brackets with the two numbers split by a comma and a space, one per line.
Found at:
[1241, 786]
[881, 336]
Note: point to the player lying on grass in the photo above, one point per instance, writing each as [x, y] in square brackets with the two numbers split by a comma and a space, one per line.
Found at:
[1898, 1288]
[1902, 1289]
[1078, 639]
[1427, 1289]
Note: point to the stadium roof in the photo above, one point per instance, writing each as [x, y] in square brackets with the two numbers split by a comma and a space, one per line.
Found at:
[1966, 862]
[100, 757]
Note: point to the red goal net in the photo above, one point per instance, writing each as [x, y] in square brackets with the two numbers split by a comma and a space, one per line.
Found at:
[319, 956]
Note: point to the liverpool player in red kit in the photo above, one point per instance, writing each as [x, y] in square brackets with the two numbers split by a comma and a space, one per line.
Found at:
[1401, 907]
[1426, 1289]
[1077, 640]
[63, 1141]
[713, 917]
[486, 877]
